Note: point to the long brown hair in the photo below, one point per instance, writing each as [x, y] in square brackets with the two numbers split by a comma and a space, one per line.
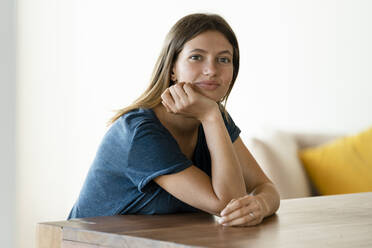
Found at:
[184, 30]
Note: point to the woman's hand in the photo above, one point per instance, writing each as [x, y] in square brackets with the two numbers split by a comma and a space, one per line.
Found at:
[245, 211]
[181, 98]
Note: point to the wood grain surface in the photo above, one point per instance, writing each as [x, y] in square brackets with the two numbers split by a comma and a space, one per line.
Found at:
[325, 221]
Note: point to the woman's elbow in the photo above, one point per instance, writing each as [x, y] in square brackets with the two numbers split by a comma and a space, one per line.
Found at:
[217, 207]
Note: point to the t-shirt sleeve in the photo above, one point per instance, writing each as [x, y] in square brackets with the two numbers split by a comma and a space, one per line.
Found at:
[153, 152]
[232, 129]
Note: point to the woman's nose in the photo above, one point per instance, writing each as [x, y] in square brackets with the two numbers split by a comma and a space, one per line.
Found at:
[210, 68]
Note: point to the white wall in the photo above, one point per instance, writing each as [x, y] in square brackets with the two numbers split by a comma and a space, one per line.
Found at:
[7, 121]
[305, 66]
[47, 133]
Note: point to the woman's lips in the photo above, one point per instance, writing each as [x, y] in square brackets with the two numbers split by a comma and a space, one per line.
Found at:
[207, 85]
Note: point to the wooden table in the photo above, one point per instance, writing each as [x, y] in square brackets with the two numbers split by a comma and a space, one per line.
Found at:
[326, 221]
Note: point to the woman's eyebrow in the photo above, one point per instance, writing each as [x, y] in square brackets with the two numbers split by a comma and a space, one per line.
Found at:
[226, 51]
[203, 51]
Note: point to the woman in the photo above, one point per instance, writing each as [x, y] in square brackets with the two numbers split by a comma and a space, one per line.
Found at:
[176, 149]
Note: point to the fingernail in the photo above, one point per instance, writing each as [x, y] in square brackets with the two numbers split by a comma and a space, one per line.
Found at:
[221, 220]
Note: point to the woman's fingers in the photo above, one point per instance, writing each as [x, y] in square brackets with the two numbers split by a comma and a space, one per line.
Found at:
[189, 90]
[166, 106]
[244, 220]
[182, 99]
[176, 98]
[168, 100]
[174, 94]
[245, 211]
[179, 90]
[238, 213]
[232, 206]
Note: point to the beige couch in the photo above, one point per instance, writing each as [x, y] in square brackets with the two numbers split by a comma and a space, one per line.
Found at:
[276, 153]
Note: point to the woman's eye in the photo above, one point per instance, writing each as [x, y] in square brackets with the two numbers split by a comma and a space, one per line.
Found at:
[195, 57]
[224, 60]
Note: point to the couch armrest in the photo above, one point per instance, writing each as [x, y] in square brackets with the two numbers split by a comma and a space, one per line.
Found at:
[276, 153]
[305, 140]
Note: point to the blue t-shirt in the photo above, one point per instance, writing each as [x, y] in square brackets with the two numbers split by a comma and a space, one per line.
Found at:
[136, 149]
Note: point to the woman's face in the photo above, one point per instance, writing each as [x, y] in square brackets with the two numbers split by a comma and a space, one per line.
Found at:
[206, 62]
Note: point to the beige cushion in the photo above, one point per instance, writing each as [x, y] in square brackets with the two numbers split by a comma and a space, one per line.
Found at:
[276, 153]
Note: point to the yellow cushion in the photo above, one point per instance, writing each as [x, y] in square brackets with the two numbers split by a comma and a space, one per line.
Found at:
[342, 166]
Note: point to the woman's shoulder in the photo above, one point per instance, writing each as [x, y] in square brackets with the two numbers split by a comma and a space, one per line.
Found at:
[137, 115]
[137, 120]
[134, 125]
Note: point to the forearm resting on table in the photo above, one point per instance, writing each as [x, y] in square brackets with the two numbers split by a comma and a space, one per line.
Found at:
[227, 177]
[268, 196]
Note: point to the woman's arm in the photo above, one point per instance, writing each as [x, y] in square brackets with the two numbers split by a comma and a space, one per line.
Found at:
[263, 199]
[192, 185]
[227, 176]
